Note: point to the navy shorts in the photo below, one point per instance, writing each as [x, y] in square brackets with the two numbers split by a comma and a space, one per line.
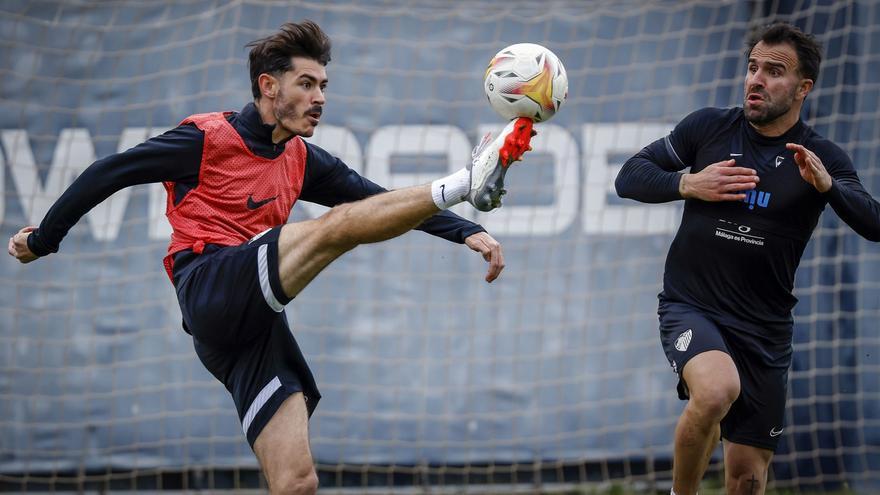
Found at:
[233, 306]
[756, 417]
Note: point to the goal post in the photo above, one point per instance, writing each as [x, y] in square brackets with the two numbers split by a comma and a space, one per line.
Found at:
[551, 377]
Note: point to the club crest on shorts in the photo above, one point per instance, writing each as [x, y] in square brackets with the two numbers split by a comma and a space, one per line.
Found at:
[684, 340]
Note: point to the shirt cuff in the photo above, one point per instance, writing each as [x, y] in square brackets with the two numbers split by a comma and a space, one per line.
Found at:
[465, 233]
[35, 245]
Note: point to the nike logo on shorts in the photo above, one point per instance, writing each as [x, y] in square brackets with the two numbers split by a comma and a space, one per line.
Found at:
[253, 205]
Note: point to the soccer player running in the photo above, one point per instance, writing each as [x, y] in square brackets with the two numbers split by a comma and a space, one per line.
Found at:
[759, 179]
[232, 179]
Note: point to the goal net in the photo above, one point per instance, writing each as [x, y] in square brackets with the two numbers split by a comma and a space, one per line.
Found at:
[550, 378]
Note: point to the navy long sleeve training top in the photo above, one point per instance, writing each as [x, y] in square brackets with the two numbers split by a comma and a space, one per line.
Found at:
[737, 259]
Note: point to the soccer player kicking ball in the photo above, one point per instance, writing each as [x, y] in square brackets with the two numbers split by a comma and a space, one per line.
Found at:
[232, 179]
[759, 179]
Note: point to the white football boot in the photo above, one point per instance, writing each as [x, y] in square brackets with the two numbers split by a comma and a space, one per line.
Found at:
[491, 160]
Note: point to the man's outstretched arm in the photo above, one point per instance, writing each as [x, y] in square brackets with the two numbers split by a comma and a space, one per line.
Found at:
[173, 156]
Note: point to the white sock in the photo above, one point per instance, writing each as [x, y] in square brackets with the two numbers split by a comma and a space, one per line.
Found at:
[451, 190]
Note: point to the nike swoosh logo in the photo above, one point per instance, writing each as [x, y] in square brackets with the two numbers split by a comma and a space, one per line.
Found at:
[775, 433]
[253, 205]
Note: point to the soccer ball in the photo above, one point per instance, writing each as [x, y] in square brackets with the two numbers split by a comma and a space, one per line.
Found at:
[526, 80]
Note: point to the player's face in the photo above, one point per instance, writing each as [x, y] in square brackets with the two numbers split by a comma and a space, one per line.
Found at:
[300, 100]
[772, 83]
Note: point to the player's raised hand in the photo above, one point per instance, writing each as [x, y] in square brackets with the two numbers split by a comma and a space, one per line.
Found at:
[811, 167]
[720, 181]
[18, 247]
[484, 244]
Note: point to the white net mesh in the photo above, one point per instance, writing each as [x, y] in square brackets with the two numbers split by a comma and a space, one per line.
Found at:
[551, 377]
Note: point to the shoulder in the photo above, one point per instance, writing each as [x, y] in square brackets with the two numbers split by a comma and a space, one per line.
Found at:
[320, 162]
[182, 137]
[827, 151]
[189, 130]
[709, 121]
[713, 117]
[817, 142]
[210, 121]
[317, 154]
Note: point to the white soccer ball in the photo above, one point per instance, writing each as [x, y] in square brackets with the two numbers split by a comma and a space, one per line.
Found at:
[526, 80]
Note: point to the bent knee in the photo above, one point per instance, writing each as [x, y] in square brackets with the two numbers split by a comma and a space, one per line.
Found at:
[715, 400]
[295, 482]
[748, 479]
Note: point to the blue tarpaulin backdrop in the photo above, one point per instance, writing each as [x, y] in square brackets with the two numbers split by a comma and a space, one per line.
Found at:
[420, 362]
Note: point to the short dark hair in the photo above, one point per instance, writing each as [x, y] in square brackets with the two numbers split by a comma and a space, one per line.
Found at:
[809, 51]
[272, 54]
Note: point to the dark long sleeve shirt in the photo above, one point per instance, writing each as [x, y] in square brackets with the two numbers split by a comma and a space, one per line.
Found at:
[737, 259]
[176, 156]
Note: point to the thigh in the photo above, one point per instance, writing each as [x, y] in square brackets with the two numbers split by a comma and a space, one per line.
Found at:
[233, 295]
[685, 333]
[757, 417]
[304, 250]
[283, 446]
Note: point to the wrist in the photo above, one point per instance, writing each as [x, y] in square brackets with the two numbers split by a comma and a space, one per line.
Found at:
[34, 245]
[682, 186]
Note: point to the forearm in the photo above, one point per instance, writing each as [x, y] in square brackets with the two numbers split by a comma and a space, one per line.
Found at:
[86, 192]
[856, 207]
[449, 226]
[642, 180]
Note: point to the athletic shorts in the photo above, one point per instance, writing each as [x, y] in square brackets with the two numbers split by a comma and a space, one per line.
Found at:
[232, 304]
[756, 417]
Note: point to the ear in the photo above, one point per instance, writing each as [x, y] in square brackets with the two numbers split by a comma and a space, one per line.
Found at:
[268, 85]
[805, 86]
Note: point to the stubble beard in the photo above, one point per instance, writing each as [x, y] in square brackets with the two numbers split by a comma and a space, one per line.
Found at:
[285, 114]
[771, 111]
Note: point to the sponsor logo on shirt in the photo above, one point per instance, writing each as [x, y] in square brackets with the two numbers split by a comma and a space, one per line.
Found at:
[737, 232]
[757, 198]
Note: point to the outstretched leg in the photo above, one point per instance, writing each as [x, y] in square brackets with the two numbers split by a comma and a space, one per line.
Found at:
[306, 248]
